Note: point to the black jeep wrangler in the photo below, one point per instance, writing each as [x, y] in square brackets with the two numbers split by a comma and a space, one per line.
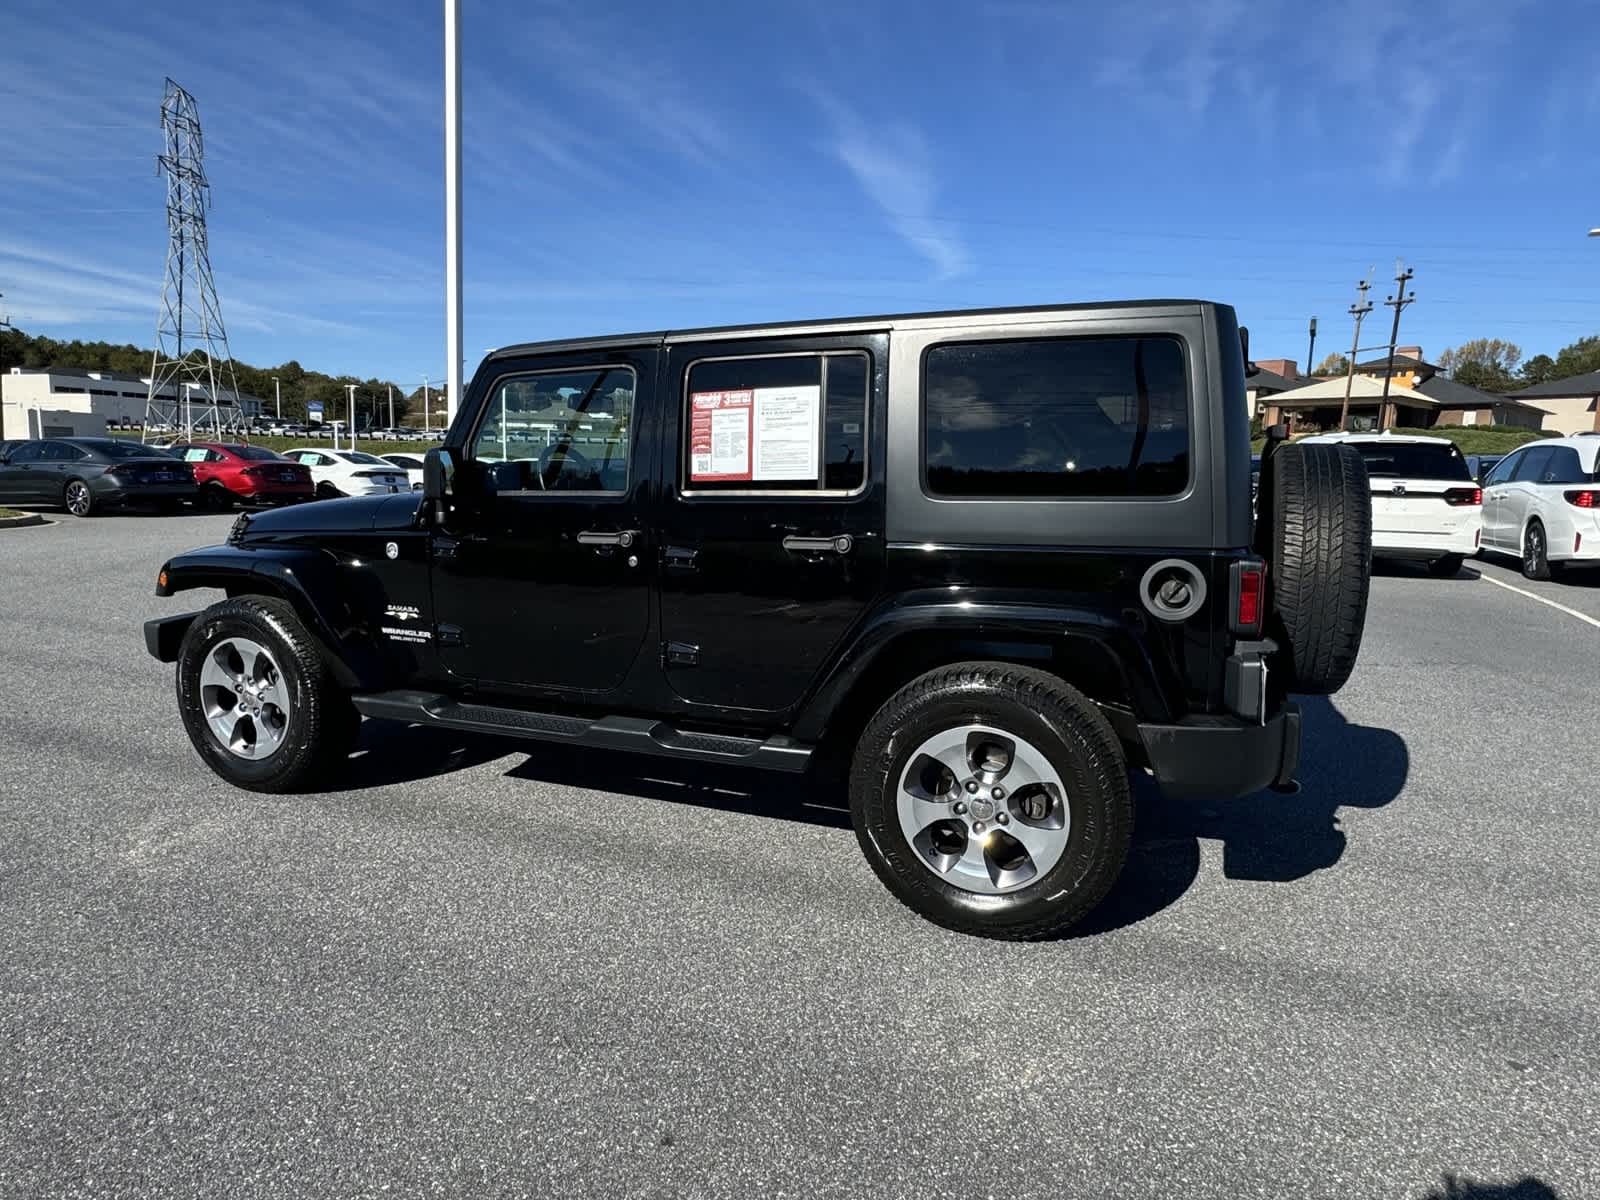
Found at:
[991, 560]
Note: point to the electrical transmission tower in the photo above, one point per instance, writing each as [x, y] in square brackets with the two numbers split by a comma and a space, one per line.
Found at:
[192, 383]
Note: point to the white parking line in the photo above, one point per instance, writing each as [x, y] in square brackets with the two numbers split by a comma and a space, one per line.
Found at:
[1571, 612]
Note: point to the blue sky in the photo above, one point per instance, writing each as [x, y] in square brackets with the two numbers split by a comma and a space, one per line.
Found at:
[653, 165]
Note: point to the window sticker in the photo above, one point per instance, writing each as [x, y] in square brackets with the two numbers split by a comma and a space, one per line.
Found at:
[719, 435]
[788, 422]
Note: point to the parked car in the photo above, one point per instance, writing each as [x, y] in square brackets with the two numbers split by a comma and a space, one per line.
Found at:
[990, 582]
[350, 473]
[410, 464]
[1542, 505]
[1481, 464]
[1425, 504]
[91, 474]
[229, 473]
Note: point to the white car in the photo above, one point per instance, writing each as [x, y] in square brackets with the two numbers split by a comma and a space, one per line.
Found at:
[1542, 505]
[410, 464]
[1425, 504]
[350, 473]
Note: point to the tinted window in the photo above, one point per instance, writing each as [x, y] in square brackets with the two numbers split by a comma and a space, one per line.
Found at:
[1531, 468]
[63, 452]
[1503, 469]
[28, 452]
[570, 429]
[120, 448]
[405, 461]
[255, 453]
[1563, 467]
[365, 460]
[1067, 417]
[1413, 460]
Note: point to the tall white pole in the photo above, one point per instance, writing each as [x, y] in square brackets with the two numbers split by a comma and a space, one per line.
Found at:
[391, 406]
[452, 201]
[277, 399]
[427, 425]
[351, 388]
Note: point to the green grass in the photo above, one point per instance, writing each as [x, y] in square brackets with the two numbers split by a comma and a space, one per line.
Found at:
[1473, 439]
[323, 443]
[10, 512]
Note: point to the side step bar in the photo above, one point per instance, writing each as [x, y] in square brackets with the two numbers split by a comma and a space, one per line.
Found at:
[640, 734]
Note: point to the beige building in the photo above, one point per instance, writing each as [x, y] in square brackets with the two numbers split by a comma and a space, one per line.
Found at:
[1569, 404]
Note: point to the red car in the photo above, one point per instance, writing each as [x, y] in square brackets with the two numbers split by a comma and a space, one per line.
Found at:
[231, 474]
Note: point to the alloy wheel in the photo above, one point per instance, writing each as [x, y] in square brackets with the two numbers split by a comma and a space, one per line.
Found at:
[983, 809]
[1533, 554]
[245, 698]
[79, 501]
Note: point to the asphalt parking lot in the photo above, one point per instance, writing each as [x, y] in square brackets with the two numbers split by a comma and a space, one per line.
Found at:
[484, 972]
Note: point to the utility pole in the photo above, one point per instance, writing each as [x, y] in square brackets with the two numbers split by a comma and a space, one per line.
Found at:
[1398, 302]
[351, 388]
[1311, 350]
[277, 399]
[1359, 311]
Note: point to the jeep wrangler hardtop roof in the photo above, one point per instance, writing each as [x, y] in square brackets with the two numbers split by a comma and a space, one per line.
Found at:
[838, 325]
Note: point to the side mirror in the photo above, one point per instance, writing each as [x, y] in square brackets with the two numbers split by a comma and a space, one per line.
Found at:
[438, 475]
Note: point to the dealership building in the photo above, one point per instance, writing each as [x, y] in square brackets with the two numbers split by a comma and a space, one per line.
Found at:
[74, 401]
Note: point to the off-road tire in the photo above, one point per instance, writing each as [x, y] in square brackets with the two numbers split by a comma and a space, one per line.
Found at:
[1318, 544]
[323, 724]
[1057, 719]
[1447, 566]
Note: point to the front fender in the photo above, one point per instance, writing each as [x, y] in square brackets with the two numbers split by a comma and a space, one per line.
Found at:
[307, 579]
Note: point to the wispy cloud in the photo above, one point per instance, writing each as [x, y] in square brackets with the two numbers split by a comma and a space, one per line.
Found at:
[891, 163]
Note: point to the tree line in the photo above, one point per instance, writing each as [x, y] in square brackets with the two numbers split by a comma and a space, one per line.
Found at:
[299, 387]
[1496, 365]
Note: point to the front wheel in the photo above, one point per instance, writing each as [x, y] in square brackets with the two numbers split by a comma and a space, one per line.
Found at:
[257, 698]
[993, 799]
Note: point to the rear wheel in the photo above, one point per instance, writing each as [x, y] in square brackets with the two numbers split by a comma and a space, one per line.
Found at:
[326, 491]
[216, 498]
[1316, 514]
[77, 498]
[993, 799]
[1448, 566]
[257, 698]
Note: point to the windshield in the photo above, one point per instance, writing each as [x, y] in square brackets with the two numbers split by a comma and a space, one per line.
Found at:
[365, 460]
[1413, 460]
[256, 453]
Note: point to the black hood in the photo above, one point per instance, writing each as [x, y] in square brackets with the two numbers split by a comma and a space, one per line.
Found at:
[357, 514]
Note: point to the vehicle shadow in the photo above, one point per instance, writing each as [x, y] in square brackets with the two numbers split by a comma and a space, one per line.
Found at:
[1453, 1187]
[1268, 836]
[388, 752]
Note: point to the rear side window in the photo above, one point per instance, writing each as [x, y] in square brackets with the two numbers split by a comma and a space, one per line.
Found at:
[778, 423]
[1057, 418]
[1413, 460]
[1531, 468]
[1563, 466]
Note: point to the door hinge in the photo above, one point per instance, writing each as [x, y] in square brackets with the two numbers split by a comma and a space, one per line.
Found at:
[679, 654]
[450, 635]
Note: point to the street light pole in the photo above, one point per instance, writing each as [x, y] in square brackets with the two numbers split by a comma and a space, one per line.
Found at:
[277, 399]
[5, 327]
[351, 388]
[427, 428]
[452, 201]
[1311, 350]
[391, 406]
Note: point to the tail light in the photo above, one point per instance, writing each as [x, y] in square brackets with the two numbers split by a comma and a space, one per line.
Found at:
[254, 472]
[376, 474]
[1588, 499]
[1457, 497]
[1247, 596]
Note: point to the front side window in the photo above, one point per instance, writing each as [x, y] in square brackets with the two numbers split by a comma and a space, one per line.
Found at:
[566, 431]
[1503, 470]
[777, 423]
[1060, 418]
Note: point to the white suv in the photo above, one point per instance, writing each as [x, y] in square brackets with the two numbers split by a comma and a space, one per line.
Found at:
[1542, 504]
[350, 473]
[1425, 503]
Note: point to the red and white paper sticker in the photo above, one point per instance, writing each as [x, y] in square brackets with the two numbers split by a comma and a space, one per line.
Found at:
[755, 434]
[719, 435]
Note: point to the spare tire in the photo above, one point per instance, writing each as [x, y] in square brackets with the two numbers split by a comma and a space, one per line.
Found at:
[1315, 530]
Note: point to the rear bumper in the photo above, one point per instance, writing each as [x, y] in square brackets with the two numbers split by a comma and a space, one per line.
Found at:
[1218, 758]
[1415, 544]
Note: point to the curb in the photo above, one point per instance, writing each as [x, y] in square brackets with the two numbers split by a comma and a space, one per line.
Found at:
[19, 522]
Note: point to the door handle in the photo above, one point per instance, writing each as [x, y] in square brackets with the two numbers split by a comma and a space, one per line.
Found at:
[591, 537]
[679, 558]
[839, 544]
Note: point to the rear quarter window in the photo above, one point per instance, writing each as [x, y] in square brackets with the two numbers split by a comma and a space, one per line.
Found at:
[1056, 418]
